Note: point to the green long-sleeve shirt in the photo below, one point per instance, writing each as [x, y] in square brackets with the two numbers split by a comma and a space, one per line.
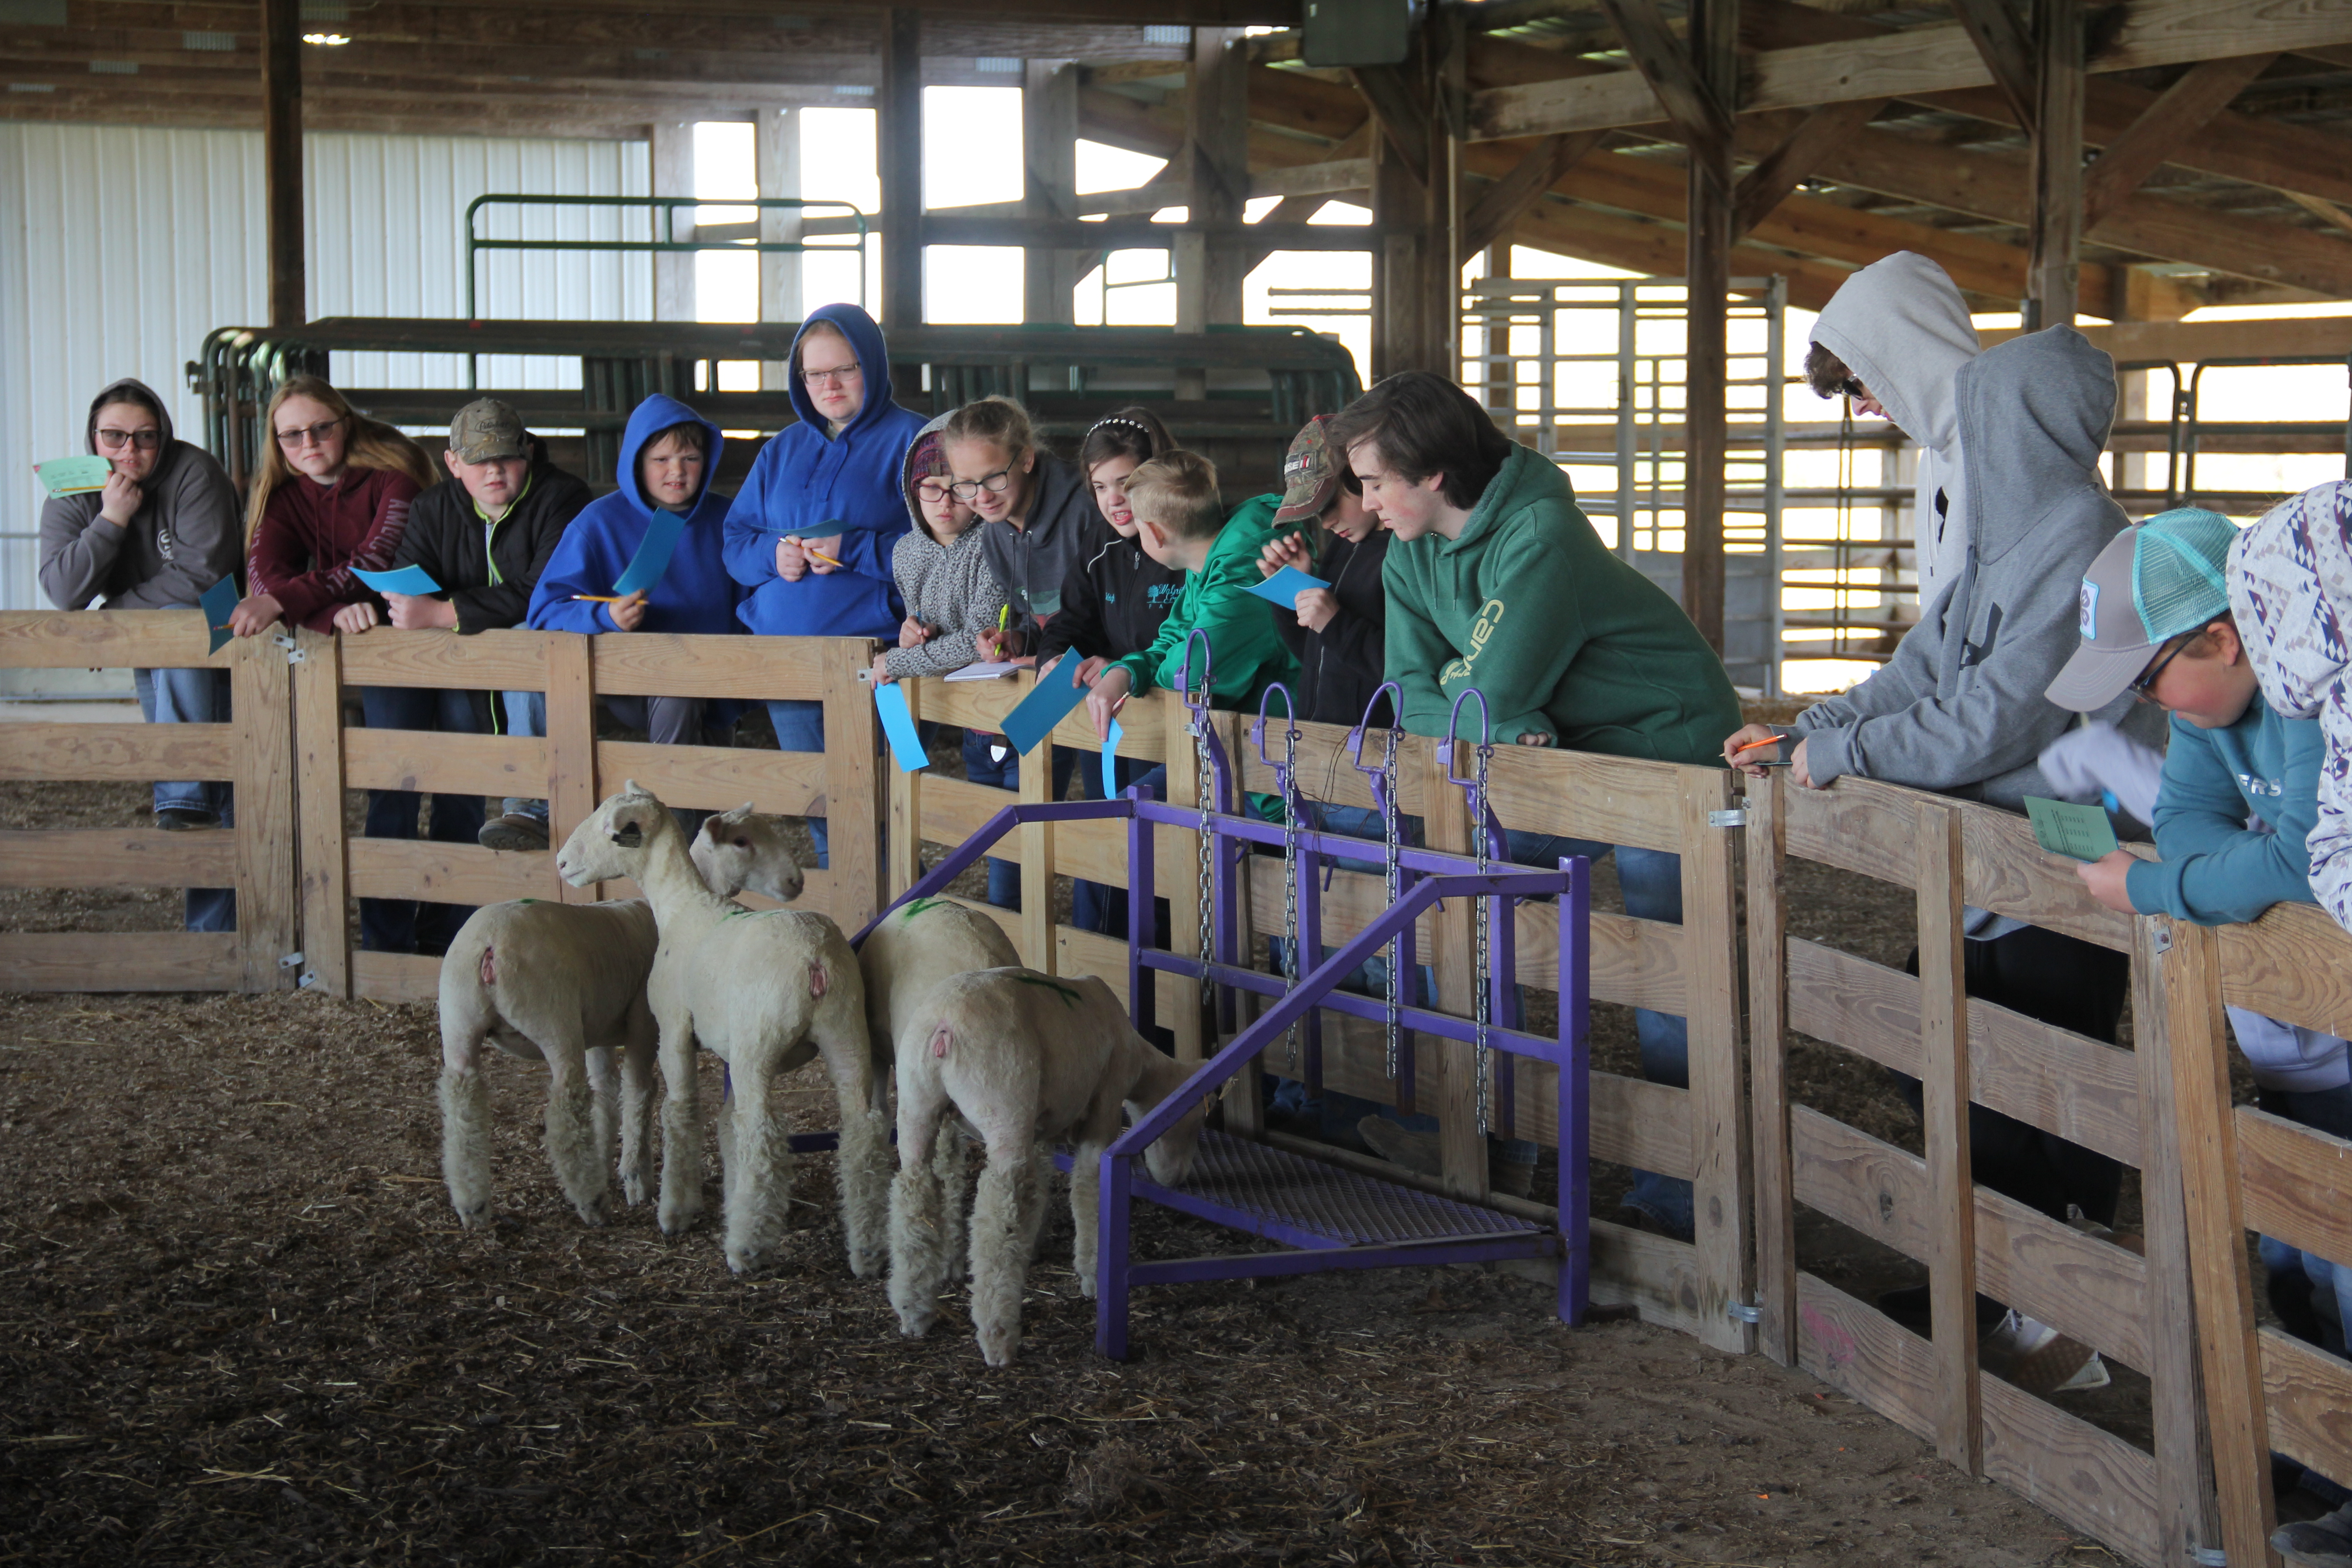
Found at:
[1565, 639]
[1244, 652]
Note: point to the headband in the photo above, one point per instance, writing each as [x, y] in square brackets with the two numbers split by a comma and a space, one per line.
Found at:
[1114, 420]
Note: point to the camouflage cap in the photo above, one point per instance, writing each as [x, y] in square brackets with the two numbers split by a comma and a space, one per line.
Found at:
[487, 428]
[1309, 475]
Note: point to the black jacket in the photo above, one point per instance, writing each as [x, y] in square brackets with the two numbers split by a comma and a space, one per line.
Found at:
[1339, 667]
[445, 536]
[1113, 599]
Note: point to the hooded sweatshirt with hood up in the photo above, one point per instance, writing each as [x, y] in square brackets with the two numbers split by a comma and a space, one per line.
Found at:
[812, 484]
[1900, 326]
[184, 537]
[1959, 709]
[946, 582]
[695, 594]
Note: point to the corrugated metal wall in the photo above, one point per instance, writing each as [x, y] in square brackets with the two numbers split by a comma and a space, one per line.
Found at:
[122, 247]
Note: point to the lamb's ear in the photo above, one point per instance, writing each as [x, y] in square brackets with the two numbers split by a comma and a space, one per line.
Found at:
[631, 786]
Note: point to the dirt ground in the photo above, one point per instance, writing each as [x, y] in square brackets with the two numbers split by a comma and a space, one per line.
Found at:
[242, 1326]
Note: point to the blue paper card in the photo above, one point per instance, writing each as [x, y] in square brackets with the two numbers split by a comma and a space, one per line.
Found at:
[1285, 586]
[906, 740]
[216, 602]
[652, 559]
[407, 580]
[1110, 761]
[1045, 706]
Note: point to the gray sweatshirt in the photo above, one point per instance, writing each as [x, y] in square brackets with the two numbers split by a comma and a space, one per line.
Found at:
[1959, 709]
[949, 585]
[184, 537]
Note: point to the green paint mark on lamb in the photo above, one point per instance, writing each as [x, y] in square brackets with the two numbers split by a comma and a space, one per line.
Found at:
[1069, 996]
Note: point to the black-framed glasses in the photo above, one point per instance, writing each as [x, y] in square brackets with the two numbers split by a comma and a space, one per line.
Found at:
[115, 440]
[1852, 388]
[995, 484]
[2145, 687]
[309, 435]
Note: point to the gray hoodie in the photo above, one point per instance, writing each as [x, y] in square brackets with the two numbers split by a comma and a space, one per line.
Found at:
[1960, 708]
[184, 537]
[1900, 326]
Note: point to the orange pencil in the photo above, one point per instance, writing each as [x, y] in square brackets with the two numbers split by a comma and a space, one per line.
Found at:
[1753, 745]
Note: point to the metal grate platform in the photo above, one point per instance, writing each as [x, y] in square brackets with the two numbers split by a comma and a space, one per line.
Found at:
[1294, 1198]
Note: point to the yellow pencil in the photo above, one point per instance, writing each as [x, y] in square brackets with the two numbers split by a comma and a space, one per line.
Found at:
[600, 598]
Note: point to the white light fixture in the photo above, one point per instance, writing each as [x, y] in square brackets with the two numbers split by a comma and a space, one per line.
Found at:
[331, 40]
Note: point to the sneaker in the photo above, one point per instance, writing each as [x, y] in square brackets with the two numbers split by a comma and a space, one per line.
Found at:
[516, 831]
[181, 818]
[2323, 1542]
[2038, 1359]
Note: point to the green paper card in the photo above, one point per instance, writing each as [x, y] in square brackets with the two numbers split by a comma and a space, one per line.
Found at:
[2078, 832]
[71, 475]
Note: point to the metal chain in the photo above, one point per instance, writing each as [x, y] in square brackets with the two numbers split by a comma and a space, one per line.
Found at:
[1290, 883]
[1482, 921]
[1204, 786]
[1393, 870]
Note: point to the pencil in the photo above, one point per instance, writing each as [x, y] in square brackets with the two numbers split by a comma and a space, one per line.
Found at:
[812, 550]
[600, 598]
[1769, 740]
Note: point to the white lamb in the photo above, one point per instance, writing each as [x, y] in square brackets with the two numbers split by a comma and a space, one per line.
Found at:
[764, 992]
[1026, 1059]
[565, 984]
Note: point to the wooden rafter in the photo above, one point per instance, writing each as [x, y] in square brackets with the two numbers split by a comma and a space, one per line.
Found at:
[2178, 114]
[2007, 50]
[1494, 211]
[1776, 176]
[1399, 114]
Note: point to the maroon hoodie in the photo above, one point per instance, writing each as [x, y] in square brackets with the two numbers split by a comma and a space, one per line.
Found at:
[311, 535]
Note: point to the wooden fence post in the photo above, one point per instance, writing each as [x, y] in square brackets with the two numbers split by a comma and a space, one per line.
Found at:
[572, 784]
[852, 782]
[2208, 1146]
[1178, 877]
[261, 705]
[1038, 948]
[1446, 826]
[319, 811]
[2186, 1514]
[1718, 1111]
[1951, 1181]
[1768, 1058]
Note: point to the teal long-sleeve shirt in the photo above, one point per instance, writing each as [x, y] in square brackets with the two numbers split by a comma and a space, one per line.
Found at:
[1245, 651]
[2215, 869]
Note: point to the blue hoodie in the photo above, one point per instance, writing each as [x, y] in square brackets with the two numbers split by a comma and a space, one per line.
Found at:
[813, 484]
[695, 594]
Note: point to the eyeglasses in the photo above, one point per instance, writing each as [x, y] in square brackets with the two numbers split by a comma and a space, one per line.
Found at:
[314, 435]
[1853, 389]
[995, 484]
[2145, 687]
[840, 376]
[931, 492]
[145, 440]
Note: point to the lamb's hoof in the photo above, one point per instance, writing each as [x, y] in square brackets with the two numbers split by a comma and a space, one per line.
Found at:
[475, 1218]
[745, 1260]
[997, 1348]
[915, 1325]
[677, 1219]
[869, 1264]
[1087, 1286]
[632, 1189]
[591, 1212]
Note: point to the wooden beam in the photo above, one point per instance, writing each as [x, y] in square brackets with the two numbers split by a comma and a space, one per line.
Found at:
[1775, 178]
[1692, 101]
[1329, 177]
[2055, 232]
[1400, 117]
[1491, 216]
[1713, 63]
[673, 176]
[776, 154]
[949, 228]
[1208, 258]
[1049, 140]
[2007, 47]
[281, 158]
[2176, 115]
[898, 159]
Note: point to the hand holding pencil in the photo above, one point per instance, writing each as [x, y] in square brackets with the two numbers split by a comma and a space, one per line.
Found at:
[796, 557]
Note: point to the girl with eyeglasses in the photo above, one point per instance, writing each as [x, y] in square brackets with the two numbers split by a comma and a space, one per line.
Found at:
[1037, 514]
[811, 530]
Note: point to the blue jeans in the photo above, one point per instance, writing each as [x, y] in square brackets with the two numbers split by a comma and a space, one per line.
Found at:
[800, 727]
[193, 697]
[526, 717]
[407, 925]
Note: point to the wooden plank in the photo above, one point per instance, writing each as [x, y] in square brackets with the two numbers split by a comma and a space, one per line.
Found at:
[909, 794]
[1097, 850]
[1863, 1183]
[1856, 824]
[1334, 177]
[438, 762]
[2089, 1290]
[568, 765]
[395, 977]
[953, 810]
[2092, 1479]
[1775, 179]
[669, 664]
[2208, 1136]
[1086, 953]
[1720, 1161]
[1651, 1274]
[1944, 1080]
[1769, 982]
[2008, 872]
[104, 639]
[1446, 825]
[1638, 964]
[719, 778]
[853, 784]
[1866, 1356]
[41, 749]
[2309, 1395]
[116, 857]
[1535, 174]
[1034, 843]
[504, 660]
[446, 873]
[1178, 876]
[1327, 768]
[1614, 800]
[122, 961]
[2290, 964]
[2179, 114]
[2295, 1180]
[319, 813]
[269, 891]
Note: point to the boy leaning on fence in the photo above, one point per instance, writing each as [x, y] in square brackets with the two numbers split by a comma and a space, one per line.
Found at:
[2236, 797]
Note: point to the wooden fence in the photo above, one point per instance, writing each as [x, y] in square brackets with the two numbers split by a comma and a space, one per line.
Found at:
[2133, 1309]
[254, 751]
[1692, 969]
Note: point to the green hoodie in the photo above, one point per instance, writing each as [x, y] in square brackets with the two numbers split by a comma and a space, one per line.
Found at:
[1565, 639]
[1244, 652]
